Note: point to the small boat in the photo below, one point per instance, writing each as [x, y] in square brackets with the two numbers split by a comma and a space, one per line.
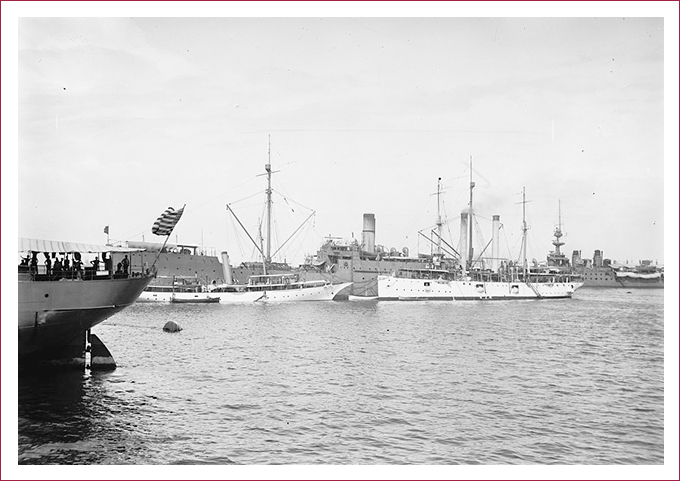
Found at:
[362, 298]
[174, 289]
[200, 298]
[61, 300]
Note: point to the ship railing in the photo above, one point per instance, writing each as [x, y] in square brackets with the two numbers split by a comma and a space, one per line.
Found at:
[41, 273]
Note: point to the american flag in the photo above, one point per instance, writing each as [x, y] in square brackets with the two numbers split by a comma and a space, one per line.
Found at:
[166, 222]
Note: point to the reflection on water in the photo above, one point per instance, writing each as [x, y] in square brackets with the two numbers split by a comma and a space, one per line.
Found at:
[69, 417]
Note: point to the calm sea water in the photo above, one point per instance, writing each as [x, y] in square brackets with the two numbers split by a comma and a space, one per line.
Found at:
[576, 381]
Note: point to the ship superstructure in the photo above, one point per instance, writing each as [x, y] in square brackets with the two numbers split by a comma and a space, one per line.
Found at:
[556, 259]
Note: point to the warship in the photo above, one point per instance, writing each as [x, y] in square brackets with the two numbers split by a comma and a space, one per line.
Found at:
[484, 277]
[60, 301]
[601, 272]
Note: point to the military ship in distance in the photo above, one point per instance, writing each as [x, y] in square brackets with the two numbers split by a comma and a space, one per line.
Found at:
[361, 261]
[601, 272]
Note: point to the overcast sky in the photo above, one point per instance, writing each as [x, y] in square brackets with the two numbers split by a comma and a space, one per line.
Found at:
[120, 118]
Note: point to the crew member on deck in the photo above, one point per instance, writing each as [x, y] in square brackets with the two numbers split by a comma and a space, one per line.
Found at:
[33, 268]
[78, 265]
[108, 262]
[56, 270]
[48, 264]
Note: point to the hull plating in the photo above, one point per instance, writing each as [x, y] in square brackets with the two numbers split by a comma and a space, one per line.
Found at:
[318, 293]
[392, 288]
[55, 313]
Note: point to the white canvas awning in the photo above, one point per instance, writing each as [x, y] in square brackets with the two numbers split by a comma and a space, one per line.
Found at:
[637, 275]
[39, 245]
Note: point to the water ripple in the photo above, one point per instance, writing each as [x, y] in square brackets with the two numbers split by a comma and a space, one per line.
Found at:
[550, 383]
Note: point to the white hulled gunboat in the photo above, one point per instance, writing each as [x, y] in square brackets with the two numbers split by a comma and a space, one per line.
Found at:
[473, 279]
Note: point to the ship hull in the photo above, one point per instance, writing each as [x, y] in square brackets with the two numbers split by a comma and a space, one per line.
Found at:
[53, 314]
[608, 277]
[326, 292]
[363, 273]
[177, 297]
[626, 285]
[398, 289]
[194, 299]
[403, 289]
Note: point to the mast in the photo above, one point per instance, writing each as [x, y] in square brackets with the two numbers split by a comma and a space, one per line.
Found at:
[264, 260]
[524, 233]
[439, 218]
[268, 168]
[470, 249]
[558, 230]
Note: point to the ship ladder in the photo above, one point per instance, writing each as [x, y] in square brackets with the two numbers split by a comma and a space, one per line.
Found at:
[538, 294]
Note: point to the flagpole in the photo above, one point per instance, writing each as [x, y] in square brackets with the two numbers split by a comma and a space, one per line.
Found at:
[164, 243]
[159, 252]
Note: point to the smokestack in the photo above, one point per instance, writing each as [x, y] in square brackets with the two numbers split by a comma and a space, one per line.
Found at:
[368, 234]
[597, 258]
[576, 260]
[495, 234]
[463, 247]
[226, 268]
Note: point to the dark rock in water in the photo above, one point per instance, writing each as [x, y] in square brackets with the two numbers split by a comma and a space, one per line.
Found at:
[172, 326]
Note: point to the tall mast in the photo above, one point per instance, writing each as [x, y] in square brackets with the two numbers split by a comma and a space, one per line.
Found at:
[268, 168]
[470, 249]
[558, 231]
[524, 232]
[439, 218]
[264, 261]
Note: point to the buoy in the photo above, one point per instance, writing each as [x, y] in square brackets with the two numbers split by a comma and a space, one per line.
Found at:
[172, 326]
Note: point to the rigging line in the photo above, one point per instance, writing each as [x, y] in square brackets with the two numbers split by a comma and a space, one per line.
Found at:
[453, 253]
[448, 223]
[289, 199]
[246, 198]
[224, 193]
[237, 237]
[282, 192]
[509, 249]
[191, 209]
[418, 217]
[482, 217]
[301, 250]
[293, 234]
[244, 229]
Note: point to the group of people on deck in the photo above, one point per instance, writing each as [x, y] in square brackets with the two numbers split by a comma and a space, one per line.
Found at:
[57, 267]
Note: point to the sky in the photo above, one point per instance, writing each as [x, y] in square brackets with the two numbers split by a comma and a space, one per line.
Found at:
[120, 118]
